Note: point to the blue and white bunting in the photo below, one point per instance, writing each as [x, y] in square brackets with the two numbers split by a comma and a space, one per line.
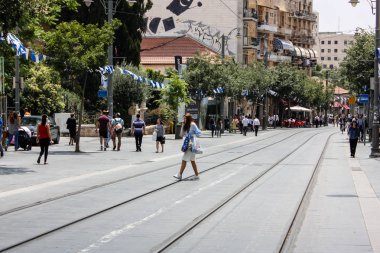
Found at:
[141, 79]
[108, 69]
[218, 90]
[20, 49]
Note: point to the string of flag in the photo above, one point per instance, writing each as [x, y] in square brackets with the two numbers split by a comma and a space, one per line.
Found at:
[109, 69]
[218, 90]
[21, 50]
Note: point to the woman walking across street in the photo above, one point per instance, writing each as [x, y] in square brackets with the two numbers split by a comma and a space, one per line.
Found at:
[44, 138]
[160, 139]
[14, 123]
[212, 127]
[189, 128]
[353, 133]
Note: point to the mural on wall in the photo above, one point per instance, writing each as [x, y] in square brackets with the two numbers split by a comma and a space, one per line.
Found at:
[183, 17]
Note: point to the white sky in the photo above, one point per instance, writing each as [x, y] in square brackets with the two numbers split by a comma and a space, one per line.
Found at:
[339, 15]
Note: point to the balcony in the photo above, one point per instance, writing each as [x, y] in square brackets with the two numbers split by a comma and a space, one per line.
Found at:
[304, 15]
[250, 15]
[263, 26]
[250, 42]
[285, 31]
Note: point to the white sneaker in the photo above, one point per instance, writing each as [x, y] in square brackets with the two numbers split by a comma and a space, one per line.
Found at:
[178, 176]
[196, 178]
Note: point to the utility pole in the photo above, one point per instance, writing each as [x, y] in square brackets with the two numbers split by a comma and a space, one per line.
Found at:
[110, 62]
[17, 84]
[327, 85]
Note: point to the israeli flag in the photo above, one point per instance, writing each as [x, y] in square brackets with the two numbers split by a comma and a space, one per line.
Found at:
[2, 38]
[107, 69]
[218, 90]
[245, 93]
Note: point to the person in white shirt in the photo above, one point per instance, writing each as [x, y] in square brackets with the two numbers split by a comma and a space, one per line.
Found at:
[245, 122]
[256, 124]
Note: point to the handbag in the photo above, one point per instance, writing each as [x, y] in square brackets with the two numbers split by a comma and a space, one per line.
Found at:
[163, 140]
[196, 147]
[154, 136]
[186, 144]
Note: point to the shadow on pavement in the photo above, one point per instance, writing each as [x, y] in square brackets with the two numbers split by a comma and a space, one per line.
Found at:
[73, 152]
[9, 170]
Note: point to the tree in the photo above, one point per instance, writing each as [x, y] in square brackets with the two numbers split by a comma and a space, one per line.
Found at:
[358, 66]
[175, 93]
[43, 93]
[75, 50]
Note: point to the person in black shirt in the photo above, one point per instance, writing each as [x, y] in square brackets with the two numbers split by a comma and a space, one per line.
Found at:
[72, 127]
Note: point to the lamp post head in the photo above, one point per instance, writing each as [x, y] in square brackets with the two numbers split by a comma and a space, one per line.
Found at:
[88, 2]
[354, 2]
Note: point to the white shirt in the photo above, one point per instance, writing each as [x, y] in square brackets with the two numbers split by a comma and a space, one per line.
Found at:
[245, 122]
[256, 122]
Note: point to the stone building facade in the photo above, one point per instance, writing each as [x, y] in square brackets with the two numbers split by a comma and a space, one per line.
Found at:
[332, 48]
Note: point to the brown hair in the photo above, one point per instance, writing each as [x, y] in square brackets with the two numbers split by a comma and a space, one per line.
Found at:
[43, 121]
[189, 119]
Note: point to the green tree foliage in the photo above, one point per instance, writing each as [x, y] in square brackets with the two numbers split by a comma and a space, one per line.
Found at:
[128, 92]
[75, 50]
[154, 94]
[128, 36]
[358, 66]
[43, 93]
[175, 93]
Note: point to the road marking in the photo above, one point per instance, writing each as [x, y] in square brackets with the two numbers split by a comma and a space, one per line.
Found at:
[369, 204]
[115, 233]
[99, 173]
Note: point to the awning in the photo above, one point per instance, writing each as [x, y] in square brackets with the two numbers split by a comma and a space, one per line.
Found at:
[346, 107]
[297, 52]
[315, 53]
[280, 44]
[337, 104]
[298, 108]
[305, 53]
[311, 52]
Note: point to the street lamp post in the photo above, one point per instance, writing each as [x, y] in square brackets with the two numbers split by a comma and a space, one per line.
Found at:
[375, 152]
[110, 9]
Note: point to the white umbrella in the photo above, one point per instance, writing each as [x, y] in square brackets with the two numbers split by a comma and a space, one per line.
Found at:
[298, 108]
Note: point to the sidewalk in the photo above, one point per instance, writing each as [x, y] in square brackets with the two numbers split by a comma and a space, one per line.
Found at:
[344, 207]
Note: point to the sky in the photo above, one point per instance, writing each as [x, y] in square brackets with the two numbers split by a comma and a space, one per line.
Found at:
[339, 15]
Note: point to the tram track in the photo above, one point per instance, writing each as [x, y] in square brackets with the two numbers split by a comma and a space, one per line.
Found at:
[94, 214]
[97, 186]
[287, 241]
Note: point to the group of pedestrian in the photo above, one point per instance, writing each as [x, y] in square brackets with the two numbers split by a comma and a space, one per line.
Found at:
[110, 129]
[215, 127]
[244, 124]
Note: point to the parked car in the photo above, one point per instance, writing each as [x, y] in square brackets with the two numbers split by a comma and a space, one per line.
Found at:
[32, 121]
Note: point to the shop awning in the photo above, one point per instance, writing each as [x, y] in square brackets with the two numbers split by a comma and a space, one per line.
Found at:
[346, 107]
[314, 53]
[337, 104]
[305, 53]
[280, 44]
[297, 52]
[311, 52]
[298, 108]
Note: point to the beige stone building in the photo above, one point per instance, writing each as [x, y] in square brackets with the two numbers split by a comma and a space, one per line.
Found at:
[272, 31]
[332, 48]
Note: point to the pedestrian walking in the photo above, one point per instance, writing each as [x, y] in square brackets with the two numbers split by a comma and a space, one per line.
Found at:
[189, 128]
[14, 123]
[361, 127]
[235, 124]
[117, 131]
[103, 125]
[44, 138]
[212, 127]
[245, 122]
[138, 130]
[353, 133]
[218, 128]
[160, 131]
[256, 124]
[72, 127]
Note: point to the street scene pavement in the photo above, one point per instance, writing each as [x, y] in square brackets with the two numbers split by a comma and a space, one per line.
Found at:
[286, 190]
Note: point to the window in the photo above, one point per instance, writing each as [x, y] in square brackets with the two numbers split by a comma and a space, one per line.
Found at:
[336, 42]
[331, 66]
[329, 58]
[328, 50]
[335, 50]
[345, 42]
[329, 42]
[322, 50]
[324, 66]
[322, 58]
[323, 42]
[335, 58]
